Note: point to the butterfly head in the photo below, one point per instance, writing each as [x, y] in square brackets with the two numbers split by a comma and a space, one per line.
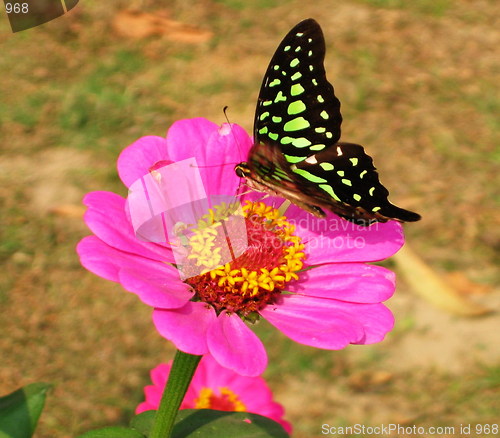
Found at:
[242, 170]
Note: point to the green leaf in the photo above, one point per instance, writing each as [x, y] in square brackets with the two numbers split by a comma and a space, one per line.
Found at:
[191, 423]
[143, 422]
[113, 432]
[20, 410]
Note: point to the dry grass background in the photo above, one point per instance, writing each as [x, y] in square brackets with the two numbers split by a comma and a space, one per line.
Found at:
[418, 84]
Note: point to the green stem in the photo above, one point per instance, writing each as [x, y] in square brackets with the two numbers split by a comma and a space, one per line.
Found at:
[179, 379]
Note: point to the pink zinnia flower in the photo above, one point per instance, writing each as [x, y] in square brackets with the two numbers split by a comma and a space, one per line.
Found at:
[308, 277]
[216, 387]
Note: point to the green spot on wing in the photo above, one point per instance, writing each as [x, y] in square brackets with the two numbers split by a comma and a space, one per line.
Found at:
[274, 83]
[347, 182]
[280, 97]
[309, 176]
[296, 124]
[354, 161]
[328, 189]
[301, 142]
[315, 82]
[286, 140]
[324, 115]
[375, 209]
[292, 159]
[294, 62]
[276, 67]
[326, 166]
[329, 135]
[356, 197]
[296, 89]
[296, 107]
[287, 48]
[277, 119]
[320, 130]
[273, 136]
[340, 173]
[362, 174]
[263, 130]
[263, 116]
[320, 98]
[296, 76]
[267, 103]
[372, 189]
[318, 147]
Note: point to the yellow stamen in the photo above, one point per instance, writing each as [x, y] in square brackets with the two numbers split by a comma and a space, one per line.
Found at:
[227, 400]
[263, 278]
[242, 285]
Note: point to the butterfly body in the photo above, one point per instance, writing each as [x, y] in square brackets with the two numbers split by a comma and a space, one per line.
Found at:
[297, 154]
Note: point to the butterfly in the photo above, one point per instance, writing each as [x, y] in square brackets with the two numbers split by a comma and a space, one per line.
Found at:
[297, 154]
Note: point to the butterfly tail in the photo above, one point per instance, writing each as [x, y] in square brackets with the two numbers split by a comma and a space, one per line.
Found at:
[400, 214]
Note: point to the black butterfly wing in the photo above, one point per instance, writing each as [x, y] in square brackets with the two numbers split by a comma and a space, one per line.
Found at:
[297, 110]
[348, 177]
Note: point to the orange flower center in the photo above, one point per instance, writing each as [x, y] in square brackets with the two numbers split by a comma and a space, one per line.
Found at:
[226, 400]
[271, 258]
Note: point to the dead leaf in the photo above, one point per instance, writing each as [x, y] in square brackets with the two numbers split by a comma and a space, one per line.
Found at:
[68, 210]
[367, 380]
[465, 287]
[137, 25]
[433, 287]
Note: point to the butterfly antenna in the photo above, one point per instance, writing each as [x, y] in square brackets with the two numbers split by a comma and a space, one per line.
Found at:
[224, 110]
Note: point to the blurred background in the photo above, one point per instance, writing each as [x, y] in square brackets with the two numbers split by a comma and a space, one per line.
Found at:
[418, 82]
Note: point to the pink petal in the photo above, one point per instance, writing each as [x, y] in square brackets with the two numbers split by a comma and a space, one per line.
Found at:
[101, 259]
[234, 140]
[328, 324]
[156, 285]
[236, 347]
[226, 148]
[153, 393]
[154, 282]
[153, 396]
[187, 138]
[334, 239]
[210, 373]
[354, 282]
[377, 321]
[186, 327]
[136, 159]
[106, 218]
[160, 373]
[217, 151]
[143, 407]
